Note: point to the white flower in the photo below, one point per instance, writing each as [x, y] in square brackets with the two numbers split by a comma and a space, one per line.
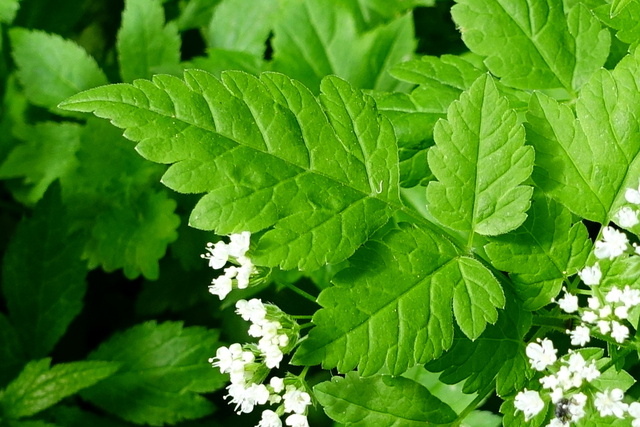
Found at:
[576, 362]
[272, 355]
[589, 316]
[244, 272]
[632, 195]
[604, 326]
[239, 244]
[576, 406]
[610, 403]
[529, 402]
[591, 275]
[619, 332]
[296, 400]
[269, 419]
[621, 312]
[614, 295]
[221, 286]
[613, 244]
[590, 372]
[631, 297]
[225, 357]
[541, 355]
[634, 411]
[218, 255]
[277, 384]
[627, 217]
[550, 382]
[557, 422]
[568, 303]
[252, 310]
[556, 395]
[580, 335]
[297, 420]
[594, 303]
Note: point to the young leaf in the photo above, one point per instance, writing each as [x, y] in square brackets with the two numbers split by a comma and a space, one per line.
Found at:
[618, 6]
[587, 161]
[381, 400]
[531, 44]
[242, 25]
[480, 161]
[626, 21]
[8, 10]
[39, 386]
[392, 308]
[43, 276]
[363, 60]
[269, 154]
[145, 44]
[547, 248]
[47, 154]
[51, 68]
[163, 368]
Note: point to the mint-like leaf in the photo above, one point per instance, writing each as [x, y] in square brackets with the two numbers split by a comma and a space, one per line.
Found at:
[51, 68]
[531, 44]
[546, 249]
[43, 276]
[626, 21]
[587, 161]
[381, 400]
[269, 154]
[480, 162]
[39, 386]
[145, 44]
[393, 307]
[163, 369]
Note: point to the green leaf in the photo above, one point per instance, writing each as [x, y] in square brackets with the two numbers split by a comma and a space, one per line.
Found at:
[47, 154]
[269, 154]
[129, 219]
[11, 351]
[546, 249]
[497, 356]
[480, 161]
[218, 60]
[39, 386]
[43, 276]
[587, 161]
[51, 68]
[381, 401]
[626, 21]
[145, 44]
[531, 44]
[618, 6]
[195, 14]
[335, 45]
[242, 25]
[163, 368]
[376, 11]
[8, 10]
[393, 307]
[72, 416]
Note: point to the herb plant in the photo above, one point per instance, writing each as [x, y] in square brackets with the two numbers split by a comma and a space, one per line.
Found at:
[401, 220]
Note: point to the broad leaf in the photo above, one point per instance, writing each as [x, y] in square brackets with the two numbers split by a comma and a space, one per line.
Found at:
[145, 44]
[480, 162]
[626, 21]
[532, 44]
[39, 386]
[381, 401]
[363, 60]
[587, 161]
[48, 153]
[11, 351]
[394, 307]
[43, 276]
[322, 171]
[163, 369]
[376, 11]
[549, 247]
[51, 68]
[8, 10]
[618, 6]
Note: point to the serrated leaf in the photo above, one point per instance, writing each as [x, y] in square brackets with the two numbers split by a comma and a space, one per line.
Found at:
[163, 368]
[497, 356]
[381, 401]
[48, 153]
[128, 218]
[43, 276]
[392, 308]
[73, 416]
[480, 161]
[195, 14]
[268, 153]
[618, 6]
[39, 386]
[546, 249]
[11, 351]
[377, 11]
[145, 44]
[626, 21]
[587, 161]
[68, 69]
[335, 45]
[242, 25]
[8, 10]
[218, 60]
[531, 44]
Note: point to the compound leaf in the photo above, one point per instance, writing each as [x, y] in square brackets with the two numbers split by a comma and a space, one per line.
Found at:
[531, 44]
[381, 401]
[392, 308]
[480, 161]
[322, 171]
[163, 369]
[40, 386]
[587, 160]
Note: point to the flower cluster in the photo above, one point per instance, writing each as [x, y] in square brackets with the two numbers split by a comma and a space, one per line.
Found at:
[220, 254]
[249, 365]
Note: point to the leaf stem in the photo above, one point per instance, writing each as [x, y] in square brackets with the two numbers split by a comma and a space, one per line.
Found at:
[550, 321]
[302, 316]
[299, 291]
[306, 325]
[482, 395]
